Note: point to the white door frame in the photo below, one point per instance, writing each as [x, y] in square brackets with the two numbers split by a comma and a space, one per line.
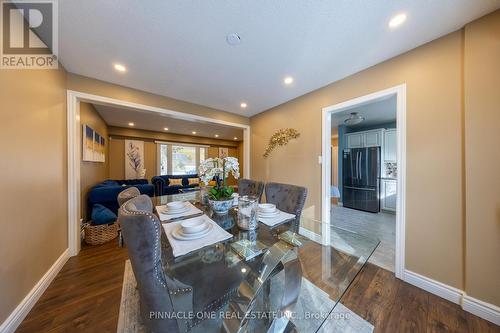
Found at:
[74, 149]
[400, 92]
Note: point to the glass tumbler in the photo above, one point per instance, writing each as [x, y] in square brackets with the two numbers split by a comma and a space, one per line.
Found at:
[247, 212]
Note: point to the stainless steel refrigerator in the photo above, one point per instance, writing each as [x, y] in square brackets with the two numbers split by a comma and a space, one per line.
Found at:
[361, 179]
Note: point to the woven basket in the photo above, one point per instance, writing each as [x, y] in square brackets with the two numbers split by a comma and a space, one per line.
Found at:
[100, 234]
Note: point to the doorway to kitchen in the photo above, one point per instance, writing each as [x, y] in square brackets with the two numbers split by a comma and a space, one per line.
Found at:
[363, 171]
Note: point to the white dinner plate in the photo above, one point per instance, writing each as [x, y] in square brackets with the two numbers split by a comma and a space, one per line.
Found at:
[167, 211]
[269, 215]
[179, 235]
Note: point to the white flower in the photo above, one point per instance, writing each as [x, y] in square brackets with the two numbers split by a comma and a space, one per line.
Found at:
[212, 167]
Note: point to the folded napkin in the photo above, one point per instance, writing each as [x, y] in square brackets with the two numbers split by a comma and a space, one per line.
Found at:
[181, 247]
[168, 217]
[273, 221]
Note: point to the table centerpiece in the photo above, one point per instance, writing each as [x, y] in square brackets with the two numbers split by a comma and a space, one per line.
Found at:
[218, 169]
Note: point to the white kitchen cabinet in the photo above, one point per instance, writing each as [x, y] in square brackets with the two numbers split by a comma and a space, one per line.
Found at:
[390, 146]
[389, 195]
[355, 140]
[373, 138]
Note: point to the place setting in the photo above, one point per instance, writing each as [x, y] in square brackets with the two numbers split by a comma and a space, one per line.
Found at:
[176, 210]
[271, 216]
[193, 234]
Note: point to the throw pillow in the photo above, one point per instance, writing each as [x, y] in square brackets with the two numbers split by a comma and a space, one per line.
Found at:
[174, 182]
[193, 181]
[102, 215]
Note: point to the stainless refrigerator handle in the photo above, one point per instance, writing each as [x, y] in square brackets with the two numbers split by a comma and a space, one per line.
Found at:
[359, 166]
[357, 153]
[357, 172]
[360, 188]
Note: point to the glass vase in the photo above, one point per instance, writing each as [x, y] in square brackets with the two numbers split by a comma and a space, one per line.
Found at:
[247, 212]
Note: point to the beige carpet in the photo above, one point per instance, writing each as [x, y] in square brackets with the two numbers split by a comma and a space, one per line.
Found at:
[342, 320]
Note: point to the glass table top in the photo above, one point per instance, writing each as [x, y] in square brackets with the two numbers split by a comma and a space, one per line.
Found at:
[286, 288]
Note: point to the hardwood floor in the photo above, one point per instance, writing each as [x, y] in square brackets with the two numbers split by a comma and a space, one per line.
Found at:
[85, 297]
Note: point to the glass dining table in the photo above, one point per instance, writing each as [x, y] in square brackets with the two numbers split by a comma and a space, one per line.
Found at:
[294, 285]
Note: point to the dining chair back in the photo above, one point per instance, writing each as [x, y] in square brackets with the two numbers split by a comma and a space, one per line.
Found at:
[127, 194]
[142, 233]
[250, 187]
[287, 198]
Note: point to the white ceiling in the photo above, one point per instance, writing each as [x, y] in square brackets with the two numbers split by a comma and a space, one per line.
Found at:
[177, 48]
[152, 121]
[375, 113]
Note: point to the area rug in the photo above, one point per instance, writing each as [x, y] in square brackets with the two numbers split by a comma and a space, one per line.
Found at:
[312, 299]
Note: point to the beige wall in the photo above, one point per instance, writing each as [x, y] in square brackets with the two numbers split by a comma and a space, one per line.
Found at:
[117, 148]
[92, 173]
[101, 88]
[33, 199]
[482, 158]
[452, 200]
[434, 105]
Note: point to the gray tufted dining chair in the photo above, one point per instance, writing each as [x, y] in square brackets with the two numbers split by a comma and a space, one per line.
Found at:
[250, 187]
[287, 198]
[127, 194]
[142, 232]
[122, 198]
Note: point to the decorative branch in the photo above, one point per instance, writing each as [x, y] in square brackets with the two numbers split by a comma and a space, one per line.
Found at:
[280, 138]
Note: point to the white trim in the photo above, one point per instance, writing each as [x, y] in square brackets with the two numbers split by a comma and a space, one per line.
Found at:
[326, 173]
[434, 287]
[181, 144]
[481, 309]
[21, 311]
[469, 304]
[74, 148]
[309, 234]
[400, 92]
[401, 185]
[74, 143]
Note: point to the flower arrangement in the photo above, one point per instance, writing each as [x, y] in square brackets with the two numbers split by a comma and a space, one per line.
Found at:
[280, 138]
[220, 169]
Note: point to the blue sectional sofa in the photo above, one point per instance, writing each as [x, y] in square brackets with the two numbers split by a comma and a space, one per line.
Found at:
[106, 193]
[163, 187]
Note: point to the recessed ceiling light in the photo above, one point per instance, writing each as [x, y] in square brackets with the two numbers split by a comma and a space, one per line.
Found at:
[131, 124]
[235, 138]
[397, 20]
[120, 68]
[288, 80]
[233, 39]
[243, 105]
[194, 132]
[243, 270]
[166, 128]
[216, 135]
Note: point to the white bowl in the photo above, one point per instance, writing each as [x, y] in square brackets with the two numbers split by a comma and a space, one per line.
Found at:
[193, 226]
[175, 205]
[267, 208]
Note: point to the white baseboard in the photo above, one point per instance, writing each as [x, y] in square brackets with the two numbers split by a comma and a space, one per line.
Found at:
[482, 309]
[434, 287]
[479, 308]
[309, 234]
[21, 311]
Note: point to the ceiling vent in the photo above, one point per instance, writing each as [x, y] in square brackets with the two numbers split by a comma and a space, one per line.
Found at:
[233, 39]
